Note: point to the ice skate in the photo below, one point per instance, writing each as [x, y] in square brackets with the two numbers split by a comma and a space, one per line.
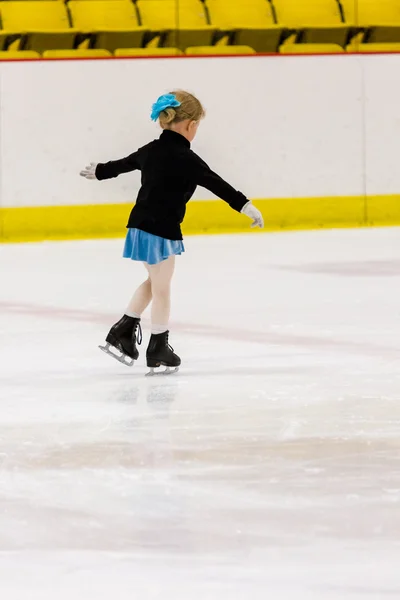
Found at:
[121, 340]
[159, 353]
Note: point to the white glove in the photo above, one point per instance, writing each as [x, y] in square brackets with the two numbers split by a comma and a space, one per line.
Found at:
[251, 211]
[89, 172]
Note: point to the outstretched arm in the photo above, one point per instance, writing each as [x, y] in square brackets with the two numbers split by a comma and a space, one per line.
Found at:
[212, 181]
[111, 169]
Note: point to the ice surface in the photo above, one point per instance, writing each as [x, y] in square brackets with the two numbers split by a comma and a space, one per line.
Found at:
[267, 468]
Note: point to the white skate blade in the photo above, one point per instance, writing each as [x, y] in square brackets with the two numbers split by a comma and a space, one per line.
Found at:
[167, 371]
[122, 358]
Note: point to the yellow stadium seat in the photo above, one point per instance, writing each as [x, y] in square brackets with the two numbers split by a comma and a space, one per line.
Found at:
[381, 18]
[88, 53]
[112, 23]
[310, 49]
[375, 48]
[316, 21]
[148, 52]
[219, 50]
[249, 22]
[43, 24]
[19, 55]
[180, 24]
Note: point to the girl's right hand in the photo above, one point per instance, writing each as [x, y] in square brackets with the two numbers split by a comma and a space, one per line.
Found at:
[89, 172]
[251, 211]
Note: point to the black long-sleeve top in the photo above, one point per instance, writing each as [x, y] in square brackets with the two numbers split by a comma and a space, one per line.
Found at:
[171, 171]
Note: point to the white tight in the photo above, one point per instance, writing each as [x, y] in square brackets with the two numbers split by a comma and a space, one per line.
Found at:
[157, 287]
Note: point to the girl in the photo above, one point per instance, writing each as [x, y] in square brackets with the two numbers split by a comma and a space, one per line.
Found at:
[170, 173]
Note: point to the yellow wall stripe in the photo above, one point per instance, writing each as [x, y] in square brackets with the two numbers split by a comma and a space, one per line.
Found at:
[108, 220]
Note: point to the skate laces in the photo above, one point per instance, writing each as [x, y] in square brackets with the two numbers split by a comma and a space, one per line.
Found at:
[139, 336]
[166, 342]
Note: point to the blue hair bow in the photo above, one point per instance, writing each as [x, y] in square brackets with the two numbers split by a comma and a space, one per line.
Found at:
[163, 102]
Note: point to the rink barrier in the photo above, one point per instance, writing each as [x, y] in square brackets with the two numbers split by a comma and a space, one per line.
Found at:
[26, 224]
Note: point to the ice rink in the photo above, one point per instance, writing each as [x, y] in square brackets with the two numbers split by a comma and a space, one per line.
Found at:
[268, 468]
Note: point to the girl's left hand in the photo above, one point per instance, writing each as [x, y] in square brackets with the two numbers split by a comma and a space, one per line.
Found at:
[251, 211]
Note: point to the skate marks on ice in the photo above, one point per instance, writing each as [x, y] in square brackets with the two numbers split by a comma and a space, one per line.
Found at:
[70, 484]
[78, 432]
[190, 370]
[195, 481]
[312, 459]
[362, 268]
[80, 575]
[273, 338]
[371, 592]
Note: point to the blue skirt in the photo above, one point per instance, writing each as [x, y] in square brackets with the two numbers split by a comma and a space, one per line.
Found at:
[150, 248]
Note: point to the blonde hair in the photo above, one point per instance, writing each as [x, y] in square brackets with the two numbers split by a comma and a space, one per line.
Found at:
[190, 108]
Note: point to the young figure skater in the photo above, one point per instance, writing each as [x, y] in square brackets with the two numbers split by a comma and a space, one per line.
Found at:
[170, 173]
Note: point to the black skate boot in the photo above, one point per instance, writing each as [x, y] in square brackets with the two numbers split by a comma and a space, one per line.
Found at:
[159, 352]
[122, 338]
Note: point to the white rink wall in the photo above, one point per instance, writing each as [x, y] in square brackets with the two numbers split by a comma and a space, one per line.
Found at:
[276, 126]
